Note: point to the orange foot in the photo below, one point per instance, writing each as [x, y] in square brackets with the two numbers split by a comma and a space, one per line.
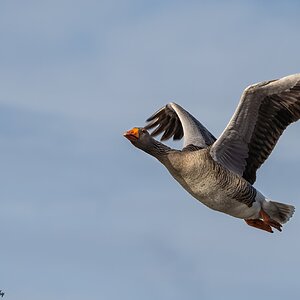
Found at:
[257, 223]
[265, 224]
[270, 221]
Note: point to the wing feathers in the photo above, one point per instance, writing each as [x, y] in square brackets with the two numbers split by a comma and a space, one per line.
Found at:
[264, 111]
[173, 121]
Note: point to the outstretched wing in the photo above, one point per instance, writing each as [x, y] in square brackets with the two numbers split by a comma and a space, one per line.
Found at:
[176, 122]
[264, 111]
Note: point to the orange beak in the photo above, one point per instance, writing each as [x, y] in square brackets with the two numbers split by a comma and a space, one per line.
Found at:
[132, 135]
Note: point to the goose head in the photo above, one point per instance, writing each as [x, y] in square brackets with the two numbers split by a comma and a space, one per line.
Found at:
[139, 137]
[142, 139]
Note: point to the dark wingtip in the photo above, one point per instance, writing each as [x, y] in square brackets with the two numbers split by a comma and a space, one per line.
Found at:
[165, 121]
[157, 114]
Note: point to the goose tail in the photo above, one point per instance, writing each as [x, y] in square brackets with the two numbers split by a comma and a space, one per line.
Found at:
[279, 212]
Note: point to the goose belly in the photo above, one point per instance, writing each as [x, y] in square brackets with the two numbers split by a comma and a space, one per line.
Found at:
[217, 195]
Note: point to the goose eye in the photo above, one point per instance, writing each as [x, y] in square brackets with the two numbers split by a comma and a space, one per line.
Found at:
[144, 130]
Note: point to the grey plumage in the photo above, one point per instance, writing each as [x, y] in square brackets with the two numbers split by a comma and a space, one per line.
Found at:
[220, 172]
[264, 111]
[175, 121]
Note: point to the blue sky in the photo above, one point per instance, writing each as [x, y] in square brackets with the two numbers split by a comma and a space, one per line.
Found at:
[86, 215]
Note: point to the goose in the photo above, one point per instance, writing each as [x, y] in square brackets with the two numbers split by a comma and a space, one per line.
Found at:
[221, 172]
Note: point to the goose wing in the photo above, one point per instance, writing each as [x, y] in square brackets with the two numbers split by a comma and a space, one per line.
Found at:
[264, 111]
[176, 122]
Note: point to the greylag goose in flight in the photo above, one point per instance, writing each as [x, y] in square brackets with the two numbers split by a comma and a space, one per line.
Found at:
[220, 172]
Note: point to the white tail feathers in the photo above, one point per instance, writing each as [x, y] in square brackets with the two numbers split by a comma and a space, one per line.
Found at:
[279, 212]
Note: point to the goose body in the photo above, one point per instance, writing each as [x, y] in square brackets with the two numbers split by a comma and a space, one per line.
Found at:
[212, 184]
[220, 172]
